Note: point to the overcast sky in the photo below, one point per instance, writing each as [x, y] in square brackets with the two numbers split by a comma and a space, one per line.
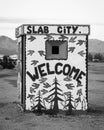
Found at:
[16, 12]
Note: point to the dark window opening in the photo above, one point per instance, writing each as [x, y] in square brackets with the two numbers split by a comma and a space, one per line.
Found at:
[55, 49]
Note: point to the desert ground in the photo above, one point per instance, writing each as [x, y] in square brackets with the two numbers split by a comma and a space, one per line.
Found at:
[13, 118]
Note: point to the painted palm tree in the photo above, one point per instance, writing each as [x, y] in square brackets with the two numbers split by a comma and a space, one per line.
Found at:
[55, 95]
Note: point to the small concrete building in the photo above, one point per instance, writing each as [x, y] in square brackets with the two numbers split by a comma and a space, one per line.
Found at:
[52, 67]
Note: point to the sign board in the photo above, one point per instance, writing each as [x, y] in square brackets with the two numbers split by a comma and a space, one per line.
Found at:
[53, 67]
[53, 29]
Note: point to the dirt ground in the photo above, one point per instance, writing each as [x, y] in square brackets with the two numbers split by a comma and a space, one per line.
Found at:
[12, 117]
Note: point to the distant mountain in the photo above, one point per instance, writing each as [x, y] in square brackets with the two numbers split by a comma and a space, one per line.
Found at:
[96, 46]
[7, 46]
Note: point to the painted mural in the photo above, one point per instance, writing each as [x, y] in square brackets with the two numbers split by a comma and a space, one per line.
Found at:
[55, 71]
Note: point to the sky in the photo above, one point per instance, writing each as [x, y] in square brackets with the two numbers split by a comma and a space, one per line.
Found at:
[13, 13]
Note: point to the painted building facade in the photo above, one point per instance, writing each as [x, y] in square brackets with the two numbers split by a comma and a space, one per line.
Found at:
[52, 67]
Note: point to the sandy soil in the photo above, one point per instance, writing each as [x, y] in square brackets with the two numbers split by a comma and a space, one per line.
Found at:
[12, 117]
